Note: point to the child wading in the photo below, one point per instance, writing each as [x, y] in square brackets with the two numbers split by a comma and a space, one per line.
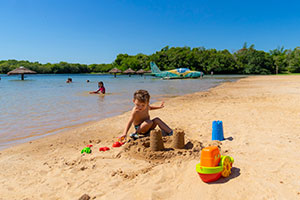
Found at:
[101, 88]
[141, 119]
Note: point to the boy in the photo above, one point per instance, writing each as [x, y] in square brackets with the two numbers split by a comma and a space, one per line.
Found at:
[141, 119]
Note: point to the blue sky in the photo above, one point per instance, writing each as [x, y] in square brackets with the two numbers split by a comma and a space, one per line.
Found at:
[96, 31]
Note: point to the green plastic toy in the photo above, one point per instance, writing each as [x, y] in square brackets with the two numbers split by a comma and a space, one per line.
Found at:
[86, 150]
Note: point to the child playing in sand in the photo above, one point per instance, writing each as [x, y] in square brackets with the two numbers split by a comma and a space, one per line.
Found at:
[141, 119]
[101, 88]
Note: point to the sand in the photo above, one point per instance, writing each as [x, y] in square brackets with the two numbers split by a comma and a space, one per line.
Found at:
[260, 117]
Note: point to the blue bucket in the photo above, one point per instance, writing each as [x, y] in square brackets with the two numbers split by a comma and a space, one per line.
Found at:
[217, 130]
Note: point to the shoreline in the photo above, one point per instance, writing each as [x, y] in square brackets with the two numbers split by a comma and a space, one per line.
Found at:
[25, 139]
[259, 116]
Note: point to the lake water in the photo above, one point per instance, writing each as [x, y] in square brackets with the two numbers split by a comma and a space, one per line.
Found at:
[46, 104]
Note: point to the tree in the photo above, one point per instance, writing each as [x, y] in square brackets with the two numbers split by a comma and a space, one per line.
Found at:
[252, 61]
[293, 59]
[280, 59]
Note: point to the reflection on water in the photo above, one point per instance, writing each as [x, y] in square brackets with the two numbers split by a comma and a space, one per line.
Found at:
[43, 104]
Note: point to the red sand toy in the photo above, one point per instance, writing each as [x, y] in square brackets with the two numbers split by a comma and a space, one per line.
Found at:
[120, 142]
[103, 149]
[89, 145]
[117, 144]
[212, 165]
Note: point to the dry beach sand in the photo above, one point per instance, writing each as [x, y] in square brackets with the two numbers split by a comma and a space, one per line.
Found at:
[260, 116]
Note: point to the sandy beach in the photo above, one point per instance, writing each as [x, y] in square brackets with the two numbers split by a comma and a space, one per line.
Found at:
[260, 117]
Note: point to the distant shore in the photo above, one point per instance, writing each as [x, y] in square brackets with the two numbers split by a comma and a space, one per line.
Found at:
[260, 116]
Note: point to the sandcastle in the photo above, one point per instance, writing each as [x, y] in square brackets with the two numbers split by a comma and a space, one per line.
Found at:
[178, 139]
[158, 148]
[156, 141]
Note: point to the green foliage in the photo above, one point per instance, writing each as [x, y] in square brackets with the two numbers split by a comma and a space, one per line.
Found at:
[280, 61]
[252, 61]
[124, 61]
[293, 60]
[100, 68]
[56, 68]
[247, 60]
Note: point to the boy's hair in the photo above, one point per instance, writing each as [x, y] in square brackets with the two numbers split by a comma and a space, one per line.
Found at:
[142, 96]
[100, 82]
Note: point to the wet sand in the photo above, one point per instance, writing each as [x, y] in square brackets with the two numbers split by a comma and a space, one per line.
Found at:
[260, 116]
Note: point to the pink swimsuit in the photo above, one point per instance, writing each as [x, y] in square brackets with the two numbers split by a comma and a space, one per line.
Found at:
[102, 90]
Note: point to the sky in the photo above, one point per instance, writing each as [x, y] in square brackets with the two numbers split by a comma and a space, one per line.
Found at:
[96, 31]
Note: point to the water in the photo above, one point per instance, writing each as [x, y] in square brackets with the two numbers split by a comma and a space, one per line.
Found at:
[46, 104]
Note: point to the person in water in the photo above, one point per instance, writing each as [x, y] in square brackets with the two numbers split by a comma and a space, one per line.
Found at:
[69, 80]
[140, 117]
[101, 88]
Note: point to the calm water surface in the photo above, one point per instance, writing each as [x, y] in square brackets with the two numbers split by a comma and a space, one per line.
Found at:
[45, 104]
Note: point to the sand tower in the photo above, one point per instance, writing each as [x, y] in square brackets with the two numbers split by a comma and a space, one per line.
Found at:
[156, 142]
[178, 139]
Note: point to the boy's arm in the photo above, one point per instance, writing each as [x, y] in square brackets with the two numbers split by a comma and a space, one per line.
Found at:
[157, 107]
[127, 126]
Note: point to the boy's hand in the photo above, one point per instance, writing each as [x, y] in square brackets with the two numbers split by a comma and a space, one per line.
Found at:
[157, 107]
[121, 139]
[122, 136]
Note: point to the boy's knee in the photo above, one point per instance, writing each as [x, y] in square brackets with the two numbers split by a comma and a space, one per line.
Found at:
[156, 118]
[149, 122]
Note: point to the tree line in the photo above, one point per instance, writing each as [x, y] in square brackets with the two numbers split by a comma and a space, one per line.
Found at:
[247, 60]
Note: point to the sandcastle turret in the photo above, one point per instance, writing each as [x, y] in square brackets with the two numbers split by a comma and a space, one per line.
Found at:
[156, 142]
[178, 139]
